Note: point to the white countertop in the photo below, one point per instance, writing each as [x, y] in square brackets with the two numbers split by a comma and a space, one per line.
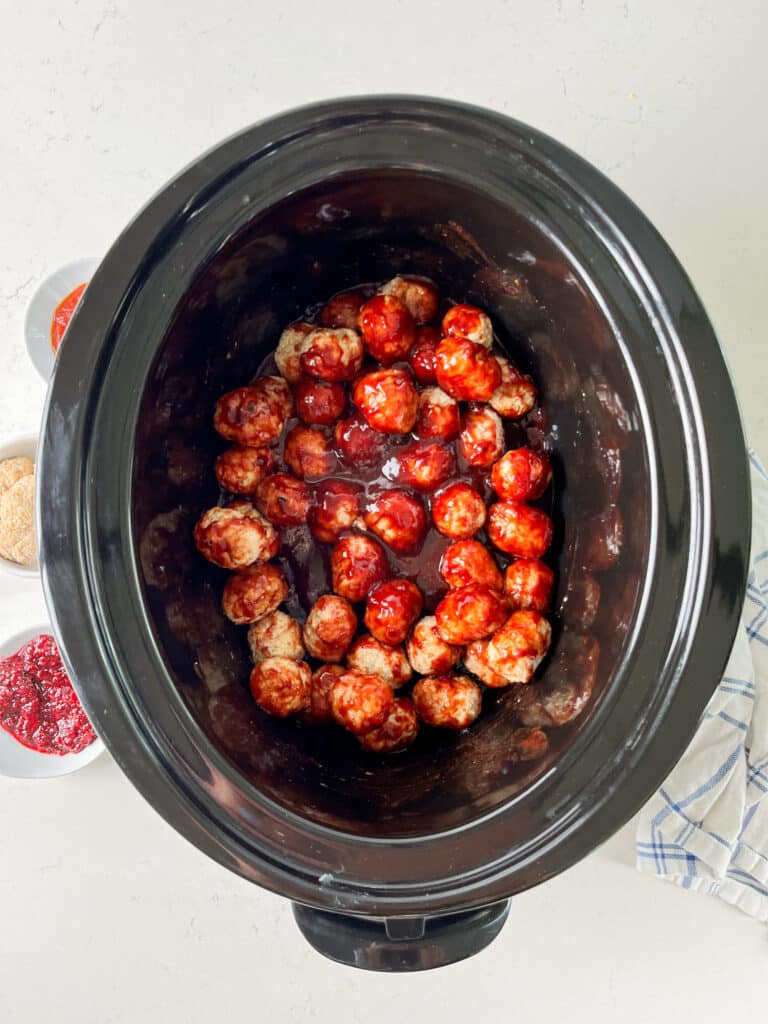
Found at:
[107, 914]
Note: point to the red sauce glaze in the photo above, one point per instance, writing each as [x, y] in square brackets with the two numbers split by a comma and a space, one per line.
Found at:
[38, 705]
[64, 313]
[421, 358]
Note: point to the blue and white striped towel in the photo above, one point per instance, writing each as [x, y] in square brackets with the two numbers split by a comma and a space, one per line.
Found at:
[707, 827]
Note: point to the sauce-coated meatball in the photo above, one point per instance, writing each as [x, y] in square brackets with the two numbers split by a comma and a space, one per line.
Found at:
[318, 712]
[369, 656]
[470, 613]
[516, 650]
[518, 529]
[421, 358]
[418, 296]
[235, 536]
[239, 469]
[360, 702]
[423, 465]
[458, 511]
[332, 354]
[329, 628]
[277, 635]
[357, 442]
[398, 519]
[284, 499]
[469, 322]
[482, 436]
[476, 661]
[308, 452]
[319, 401]
[521, 475]
[398, 730]
[357, 564]
[281, 686]
[387, 328]
[528, 585]
[438, 415]
[450, 702]
[388, 400]
[253, 593]
[516, 395]
[254, 414]
[342, 310]
[469, 561]
[391, 609]
[336, 509]
[465, 370]
[427, 652]
[288, 350]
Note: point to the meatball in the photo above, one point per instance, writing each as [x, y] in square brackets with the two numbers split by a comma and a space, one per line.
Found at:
[235, 536]
[370, 657]
[398, 518]
[332, 354]
[452, 702]
[388, 400]
[341, 310]
[360, 702]
[476, 661]
[288, 350]
[329, 628]
[254, 414]
[528, 585]
[284, 500]
[387, 328]
[357, 564]
[276, 635]
[518, 529]
[469, 561]
[469, 322]
[482, 436]
[319, 710]
[516, 650]
[308, 452]
[521, 475]
[336, 509]
[438, 415]
[427, 652]
[470, 613]
[516, 395]
[421, 358]
[281, 686]
[240, 468]
[318, 401]
[398, 730]
[418, 296]
[458, 511]
[253, 593]
[423, 465]
[391, 609]
[357, 442]
[465, 370]
[567, 686]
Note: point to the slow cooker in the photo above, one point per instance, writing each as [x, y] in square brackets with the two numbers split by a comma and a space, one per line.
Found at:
[405, 862]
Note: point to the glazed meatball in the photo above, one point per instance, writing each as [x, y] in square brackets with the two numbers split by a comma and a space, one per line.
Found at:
[518, 529]
[360, 702]
[276, 635]
[451, 702]
[387, 328]
[469, 561]
[516, 650]
[329, 628]
[421, 358]
[318, 712]
[240, 468]
[469, 322]
[370, 657]
[528, 585]
[398, 730]
[254, 414]
[438, 415]
[281, 686]
[458, 511]
[465, 370]
[342, 310]
[427, 652]
[357, 564]
[470, 613]
[235, 536]
[336, 509]
[418, 296]
[521, 475]
[288, 350]
[391, 609]
[357, 442]
[308, 452]
[332, 354]
[476, 661]
[253, 593]
[318, 401]
[516, 395]
[398, 518]
[482, 436]
[423, 465]
[284, 500]
[388, 400]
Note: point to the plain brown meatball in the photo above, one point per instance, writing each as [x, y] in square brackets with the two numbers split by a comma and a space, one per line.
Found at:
[254, 414]
[357, 564]
[281, 686]
[360, 702]
[288, 351]
[470, 613]
[239, 469]
[253, 593]
[398, 730]
[449, 702]
[332, 354]
[235, 536]
[516, 650]
[284, 500]
[392, 607]
[276, 635]
[369, 656]
[308, 452]
[427, 652]
[318, 711]
[329, 628]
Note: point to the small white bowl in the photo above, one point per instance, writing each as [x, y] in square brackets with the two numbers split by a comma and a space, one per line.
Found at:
[42, 306]
[17, 446]
[18, 761]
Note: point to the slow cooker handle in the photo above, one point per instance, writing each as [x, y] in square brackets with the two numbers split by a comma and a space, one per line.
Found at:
[400, 943]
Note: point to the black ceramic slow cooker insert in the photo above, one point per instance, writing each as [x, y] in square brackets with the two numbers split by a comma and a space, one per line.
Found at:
[403, 862]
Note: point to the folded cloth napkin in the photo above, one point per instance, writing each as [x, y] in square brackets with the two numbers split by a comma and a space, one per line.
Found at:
[707, 827]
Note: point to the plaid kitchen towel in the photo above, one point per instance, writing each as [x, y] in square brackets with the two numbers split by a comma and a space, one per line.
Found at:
[707, 827]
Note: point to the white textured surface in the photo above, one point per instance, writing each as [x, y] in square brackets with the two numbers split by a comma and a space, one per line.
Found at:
[108, 916]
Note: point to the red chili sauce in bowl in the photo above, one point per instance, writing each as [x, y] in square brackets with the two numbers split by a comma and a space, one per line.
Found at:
[64, 313]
